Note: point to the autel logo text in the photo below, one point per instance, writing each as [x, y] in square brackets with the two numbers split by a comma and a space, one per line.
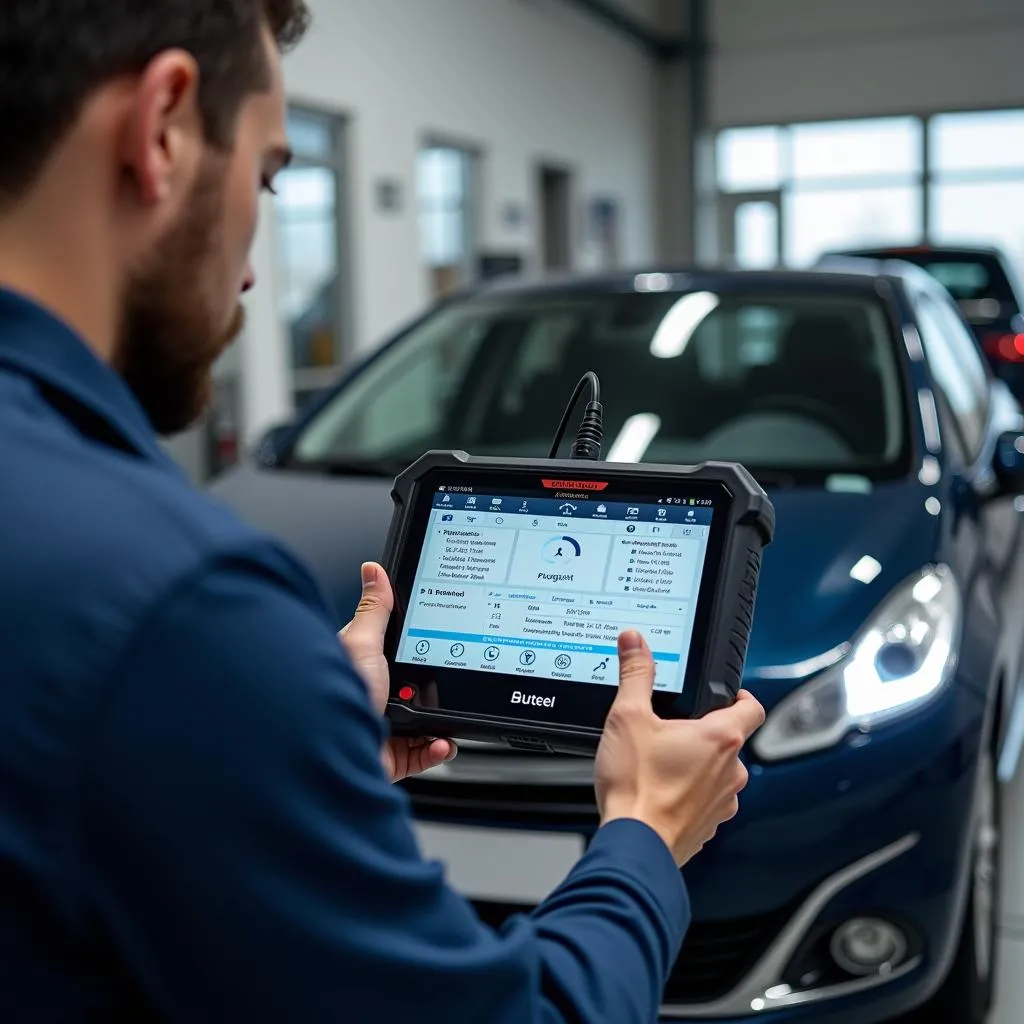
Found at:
[531, 698]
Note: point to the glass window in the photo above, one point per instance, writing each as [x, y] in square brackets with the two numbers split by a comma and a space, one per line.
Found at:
[822, 219]
[760, 331]
[309, 248]
[962, 279]
[966, 351]
[311, 135]
[958, 369]
[805, 383]
[851, 149]
[750, 159]
[982, 213]
[445, 183]
[757, 235]
[308, 253]
[443, 189]
[977, 142]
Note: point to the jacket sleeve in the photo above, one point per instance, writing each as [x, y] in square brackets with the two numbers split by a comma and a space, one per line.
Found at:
[249, 860]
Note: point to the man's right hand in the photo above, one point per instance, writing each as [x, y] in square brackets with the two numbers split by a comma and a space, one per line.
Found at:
[680, 777]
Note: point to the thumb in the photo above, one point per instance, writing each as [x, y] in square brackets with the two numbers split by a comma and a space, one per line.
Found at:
[365, 633]
[636, 670]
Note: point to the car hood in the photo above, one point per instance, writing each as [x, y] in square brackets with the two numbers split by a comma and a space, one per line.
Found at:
[808, 602]
[333, 524]
[834, 559]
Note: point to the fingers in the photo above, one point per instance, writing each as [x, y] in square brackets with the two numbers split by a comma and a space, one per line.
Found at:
[747, 714]
[421, 756]
[370, 621]
[636, 670]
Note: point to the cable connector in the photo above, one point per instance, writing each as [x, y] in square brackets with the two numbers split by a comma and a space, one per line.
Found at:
[590, 435]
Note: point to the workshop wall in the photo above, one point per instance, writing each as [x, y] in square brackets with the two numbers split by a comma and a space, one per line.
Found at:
[519, 80]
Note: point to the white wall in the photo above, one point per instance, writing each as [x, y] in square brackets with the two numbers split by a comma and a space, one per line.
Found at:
[522, 80]
[792, 60]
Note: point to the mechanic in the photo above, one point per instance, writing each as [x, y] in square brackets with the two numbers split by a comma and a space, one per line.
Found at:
[197, 816]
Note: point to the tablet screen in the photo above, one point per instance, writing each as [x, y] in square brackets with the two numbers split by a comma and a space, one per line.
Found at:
[526, 585]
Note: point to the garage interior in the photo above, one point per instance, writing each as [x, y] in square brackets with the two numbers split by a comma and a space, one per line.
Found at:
[442, 145]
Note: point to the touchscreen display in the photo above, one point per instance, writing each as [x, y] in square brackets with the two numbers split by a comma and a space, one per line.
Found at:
[537, 586]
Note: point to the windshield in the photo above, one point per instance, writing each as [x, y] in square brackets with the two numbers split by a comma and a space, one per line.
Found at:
[801, 383]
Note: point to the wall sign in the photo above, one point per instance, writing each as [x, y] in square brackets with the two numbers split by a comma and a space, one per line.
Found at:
[389, 195]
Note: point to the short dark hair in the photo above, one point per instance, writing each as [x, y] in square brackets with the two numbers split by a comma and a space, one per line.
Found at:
[54, 54]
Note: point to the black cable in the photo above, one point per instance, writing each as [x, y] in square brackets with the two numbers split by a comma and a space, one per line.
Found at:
[590, 434]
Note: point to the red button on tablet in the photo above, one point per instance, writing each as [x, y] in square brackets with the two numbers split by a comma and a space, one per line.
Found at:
[406, 693]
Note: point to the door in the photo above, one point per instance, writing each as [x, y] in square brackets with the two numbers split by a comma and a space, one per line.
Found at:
[750, 229]
[555, 211]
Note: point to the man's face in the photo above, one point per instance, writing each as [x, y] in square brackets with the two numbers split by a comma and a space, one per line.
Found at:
[181, 305]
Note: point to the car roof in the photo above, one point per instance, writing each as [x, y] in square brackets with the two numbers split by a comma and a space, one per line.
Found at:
[859, 276]
[895, 251]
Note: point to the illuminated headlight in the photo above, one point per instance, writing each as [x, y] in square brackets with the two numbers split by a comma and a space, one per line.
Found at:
[903, 656]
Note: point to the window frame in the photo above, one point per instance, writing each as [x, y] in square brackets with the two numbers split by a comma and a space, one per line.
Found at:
[466, 208]
[928, 177]
[308, 382]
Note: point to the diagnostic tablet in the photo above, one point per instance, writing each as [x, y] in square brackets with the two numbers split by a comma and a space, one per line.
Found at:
[514, 578]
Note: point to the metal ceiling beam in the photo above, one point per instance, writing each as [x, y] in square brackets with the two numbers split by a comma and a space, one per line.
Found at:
[661, 47]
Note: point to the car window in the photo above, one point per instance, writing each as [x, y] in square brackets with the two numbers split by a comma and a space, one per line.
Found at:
[958, 368]
[980, 282]
[962, 280]
[980, 286]
[806, 382]
[390, 411]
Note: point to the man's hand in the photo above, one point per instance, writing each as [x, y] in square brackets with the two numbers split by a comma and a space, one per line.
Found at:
[681, 778]
[363, 639]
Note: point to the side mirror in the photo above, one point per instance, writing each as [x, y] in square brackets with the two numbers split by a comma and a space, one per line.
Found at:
[271, 446]
[1010, 461]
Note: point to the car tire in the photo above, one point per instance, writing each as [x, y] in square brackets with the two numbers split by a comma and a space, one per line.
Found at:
[967, 994]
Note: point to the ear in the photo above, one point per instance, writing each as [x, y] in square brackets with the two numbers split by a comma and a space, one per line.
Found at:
[164, 140]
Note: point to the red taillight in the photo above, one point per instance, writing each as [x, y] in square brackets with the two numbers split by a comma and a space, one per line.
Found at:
[1006, 347]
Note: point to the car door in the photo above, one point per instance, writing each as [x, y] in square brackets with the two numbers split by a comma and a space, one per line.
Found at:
[989, 532]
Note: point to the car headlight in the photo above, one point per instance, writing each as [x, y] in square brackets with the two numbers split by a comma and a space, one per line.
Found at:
[902, 657]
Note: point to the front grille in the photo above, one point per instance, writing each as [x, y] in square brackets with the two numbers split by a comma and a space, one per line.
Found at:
[718, 954]
[714, 959]
[565, 807]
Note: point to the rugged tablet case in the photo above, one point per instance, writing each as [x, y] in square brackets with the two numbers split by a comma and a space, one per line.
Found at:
[750, 529]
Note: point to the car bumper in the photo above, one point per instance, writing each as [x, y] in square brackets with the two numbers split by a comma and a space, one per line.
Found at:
[880, 826]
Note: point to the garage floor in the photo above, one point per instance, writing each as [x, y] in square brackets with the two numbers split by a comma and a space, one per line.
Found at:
[1010, 1002]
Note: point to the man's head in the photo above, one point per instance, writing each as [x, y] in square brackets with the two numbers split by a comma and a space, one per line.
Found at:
[141, 134]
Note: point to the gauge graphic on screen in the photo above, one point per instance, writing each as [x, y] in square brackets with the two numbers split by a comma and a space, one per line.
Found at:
[560, 550]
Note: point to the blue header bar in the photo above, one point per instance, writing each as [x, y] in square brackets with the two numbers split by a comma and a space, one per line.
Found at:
[614, 511]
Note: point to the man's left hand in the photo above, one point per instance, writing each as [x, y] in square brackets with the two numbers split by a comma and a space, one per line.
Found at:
[363, 639]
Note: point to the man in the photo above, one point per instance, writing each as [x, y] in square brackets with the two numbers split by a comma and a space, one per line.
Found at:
[197, 820]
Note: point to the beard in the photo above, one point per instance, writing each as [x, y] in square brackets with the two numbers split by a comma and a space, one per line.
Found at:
[172, 333]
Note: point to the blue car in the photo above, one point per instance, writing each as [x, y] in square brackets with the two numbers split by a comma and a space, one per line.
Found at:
[860, 880]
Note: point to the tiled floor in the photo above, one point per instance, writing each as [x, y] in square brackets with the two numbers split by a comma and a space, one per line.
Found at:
[1010, 1002]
